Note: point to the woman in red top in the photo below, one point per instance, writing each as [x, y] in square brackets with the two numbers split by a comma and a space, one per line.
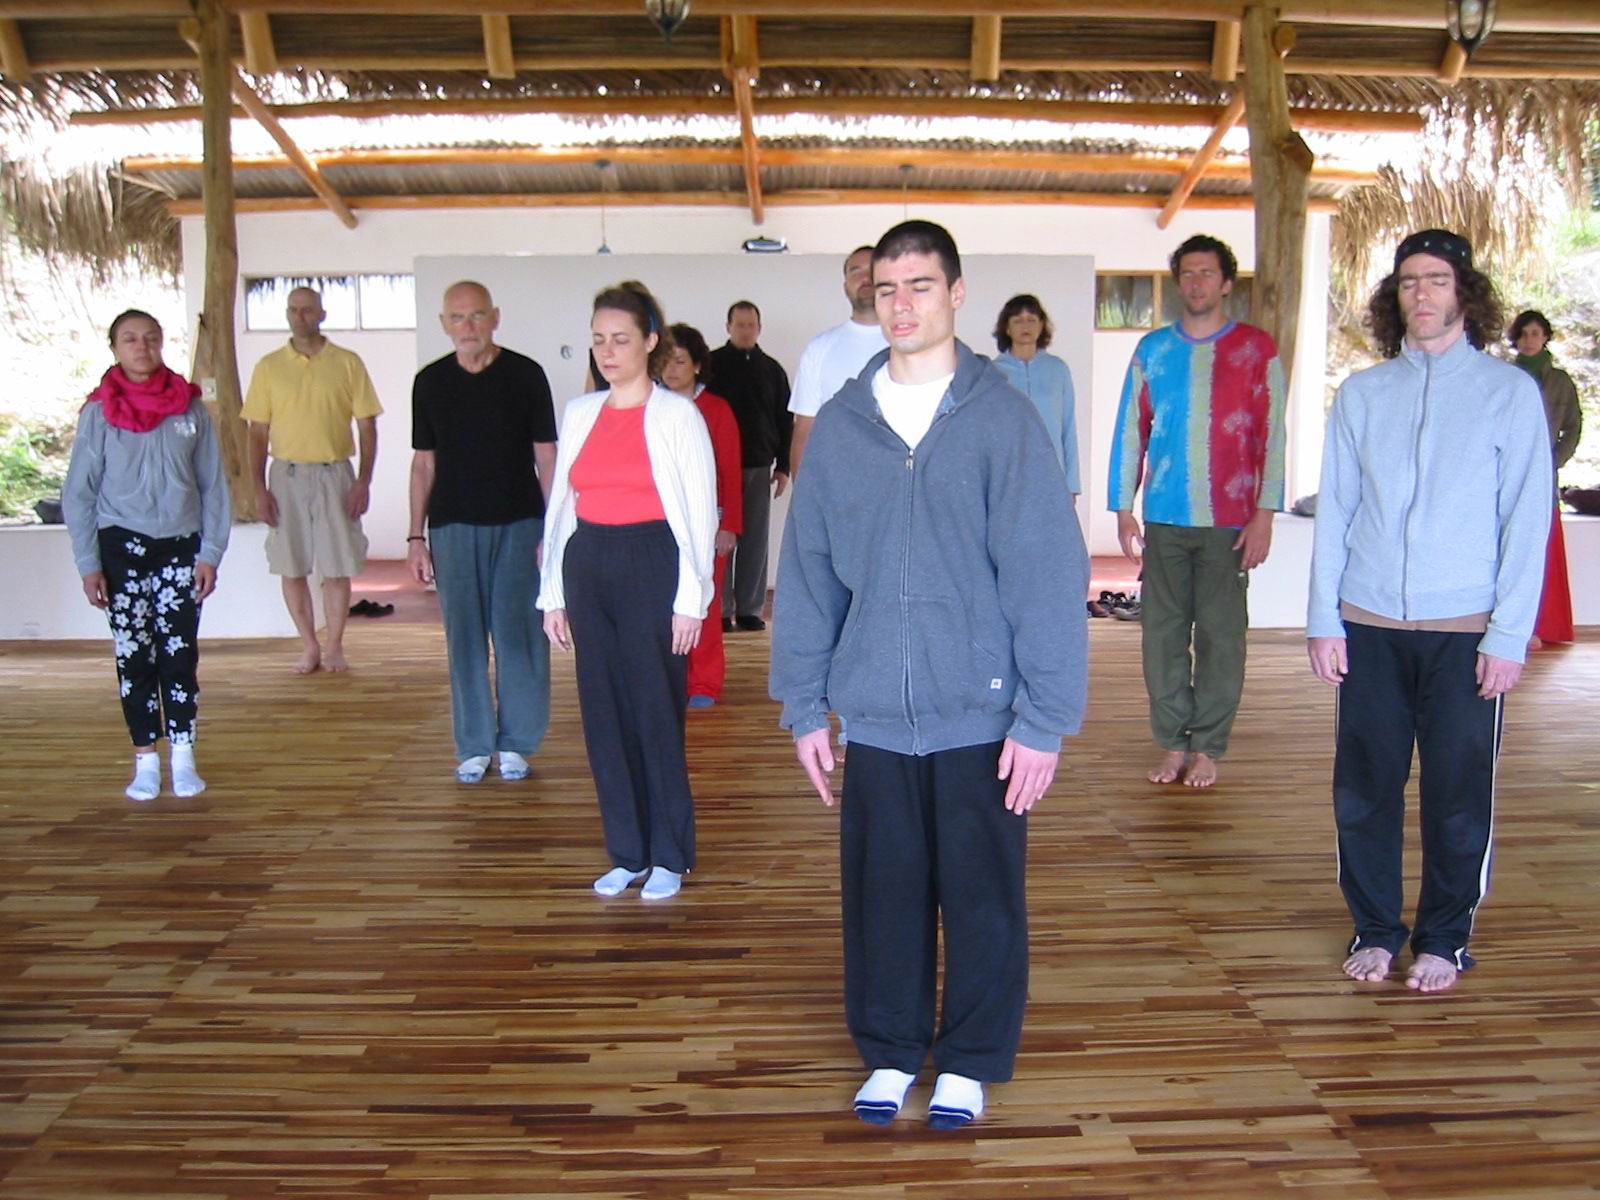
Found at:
[684, 368]
[628, 557]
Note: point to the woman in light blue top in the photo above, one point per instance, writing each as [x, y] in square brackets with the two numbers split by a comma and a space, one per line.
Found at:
[1022, 332]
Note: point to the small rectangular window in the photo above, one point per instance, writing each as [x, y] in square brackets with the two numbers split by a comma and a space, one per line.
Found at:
[1123, 301]
[351, 301]
[1236, 304]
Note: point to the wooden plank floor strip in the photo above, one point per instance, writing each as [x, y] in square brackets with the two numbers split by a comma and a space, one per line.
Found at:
[338, 973]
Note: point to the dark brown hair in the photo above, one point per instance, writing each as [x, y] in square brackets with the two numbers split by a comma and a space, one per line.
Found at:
[921, 237]
[694, 345]
[128, 315]
[632, 297]
[1026, 302]
[1481, 314]
[1204, 243]
[1531, 317]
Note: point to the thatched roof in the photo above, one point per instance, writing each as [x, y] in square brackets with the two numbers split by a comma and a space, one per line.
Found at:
[1494, 142]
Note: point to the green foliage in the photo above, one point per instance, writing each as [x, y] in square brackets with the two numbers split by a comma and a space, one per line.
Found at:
[32, 465]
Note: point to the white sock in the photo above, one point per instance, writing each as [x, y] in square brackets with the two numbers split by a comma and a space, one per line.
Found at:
[186, 780]
[881, 1096]
[513, 765]
[146, 783]
[661, 885]
[957, 1101]
[615, 881]
[470, 770]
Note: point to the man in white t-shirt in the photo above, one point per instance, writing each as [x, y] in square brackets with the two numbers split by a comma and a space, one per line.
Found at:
[839, 354]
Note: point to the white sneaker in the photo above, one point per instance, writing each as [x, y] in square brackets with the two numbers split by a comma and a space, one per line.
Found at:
[470, 770]
[615, 881]
[513, 765]
[662, 884]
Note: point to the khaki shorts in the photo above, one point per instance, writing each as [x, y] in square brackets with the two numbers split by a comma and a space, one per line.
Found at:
[313, 532]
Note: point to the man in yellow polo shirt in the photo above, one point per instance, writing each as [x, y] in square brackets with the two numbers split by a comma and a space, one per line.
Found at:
[301, 402]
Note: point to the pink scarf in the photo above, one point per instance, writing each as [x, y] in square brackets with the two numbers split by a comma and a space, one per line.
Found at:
[140, 407]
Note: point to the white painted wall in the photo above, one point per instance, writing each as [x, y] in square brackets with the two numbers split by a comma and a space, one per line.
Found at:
[1115, 238]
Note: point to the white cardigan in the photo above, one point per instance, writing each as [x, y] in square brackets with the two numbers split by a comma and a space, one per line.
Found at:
[685, 476]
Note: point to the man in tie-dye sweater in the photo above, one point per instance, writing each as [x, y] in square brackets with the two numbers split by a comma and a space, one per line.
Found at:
[1201, 426]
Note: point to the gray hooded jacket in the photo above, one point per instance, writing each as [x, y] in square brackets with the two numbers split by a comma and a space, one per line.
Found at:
[933, 597]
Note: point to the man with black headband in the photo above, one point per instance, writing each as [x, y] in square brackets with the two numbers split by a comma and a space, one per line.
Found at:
[1425, 578]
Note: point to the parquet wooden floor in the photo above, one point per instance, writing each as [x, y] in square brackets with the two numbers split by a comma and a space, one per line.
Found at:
[339, 974]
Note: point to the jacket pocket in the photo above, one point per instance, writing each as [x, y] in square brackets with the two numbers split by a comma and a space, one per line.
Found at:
[864, 677]
[957, 666]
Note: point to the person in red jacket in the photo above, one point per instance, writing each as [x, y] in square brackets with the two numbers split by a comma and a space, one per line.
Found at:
[685, 366]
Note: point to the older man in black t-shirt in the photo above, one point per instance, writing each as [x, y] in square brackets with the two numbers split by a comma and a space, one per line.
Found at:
[484, 431]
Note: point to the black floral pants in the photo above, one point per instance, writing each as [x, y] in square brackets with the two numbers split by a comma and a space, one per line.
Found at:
[155, 625]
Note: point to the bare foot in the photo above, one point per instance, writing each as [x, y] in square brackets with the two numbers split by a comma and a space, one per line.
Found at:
[1534, 643]
[1370, 965]
[1430, 973]
[1201, 771]
[1168, 768]
[309, 661]
[333, 659]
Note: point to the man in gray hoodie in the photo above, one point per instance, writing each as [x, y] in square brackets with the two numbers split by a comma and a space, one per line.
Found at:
[931, 592]
[1425, 579]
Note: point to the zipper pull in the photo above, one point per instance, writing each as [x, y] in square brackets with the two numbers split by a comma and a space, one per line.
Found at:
[910, 454]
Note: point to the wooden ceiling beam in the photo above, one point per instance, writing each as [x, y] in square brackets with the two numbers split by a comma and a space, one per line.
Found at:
[255, 107]
[1059, 111]
[1225, 51]
[1202, 160]
[1454, 63]
[260, 52]
[498, 56]
[1512, 16]
[750, 148]
[735, 199]
[985, 66]
[14, 64]
[881, 157]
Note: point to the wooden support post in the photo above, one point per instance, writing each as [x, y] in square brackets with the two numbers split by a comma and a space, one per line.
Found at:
[744, 53]
[1202, 159]
[250, 100]
[260, 52]
[1454, 63]
[13, 52]
[1225, 51]
[216, 365]
[497, 50]
[985, 49]
[1280, 164]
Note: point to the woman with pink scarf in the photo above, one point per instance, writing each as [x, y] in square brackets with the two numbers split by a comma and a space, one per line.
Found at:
[147, 505]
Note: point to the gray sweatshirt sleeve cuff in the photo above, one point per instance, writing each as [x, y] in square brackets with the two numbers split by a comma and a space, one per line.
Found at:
[809, 723]
[1024, 733]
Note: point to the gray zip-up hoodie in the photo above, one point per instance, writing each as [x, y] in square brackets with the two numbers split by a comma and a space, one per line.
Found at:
[1435, 496]
[165, 483]
[933, 597]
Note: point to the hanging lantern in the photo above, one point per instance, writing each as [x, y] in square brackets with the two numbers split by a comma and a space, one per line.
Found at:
[667, 15]
[1469, 21]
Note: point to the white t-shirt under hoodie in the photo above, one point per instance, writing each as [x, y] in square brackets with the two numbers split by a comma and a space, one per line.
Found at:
[909, 407]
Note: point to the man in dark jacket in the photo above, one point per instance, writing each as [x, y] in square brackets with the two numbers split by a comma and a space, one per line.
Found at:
[931, 592]
[757, 389]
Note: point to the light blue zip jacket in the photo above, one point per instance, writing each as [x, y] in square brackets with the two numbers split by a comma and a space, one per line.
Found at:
[1047, 381]
[1435, 496]
[932, 597]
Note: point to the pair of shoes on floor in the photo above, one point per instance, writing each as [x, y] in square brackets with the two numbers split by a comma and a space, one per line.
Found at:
[513, 766]
[1117, 604]
[366, 608]
[702, 701]
[750, 624]
[957, 1100]
[662, 884]
[727, 625]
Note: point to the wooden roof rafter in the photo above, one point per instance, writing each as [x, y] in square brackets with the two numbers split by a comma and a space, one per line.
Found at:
[742, 65]
[14, 62]
[250, 100]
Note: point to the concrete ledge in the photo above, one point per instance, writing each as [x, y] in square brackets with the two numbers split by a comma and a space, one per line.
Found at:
[41, 594]
[1280, 587]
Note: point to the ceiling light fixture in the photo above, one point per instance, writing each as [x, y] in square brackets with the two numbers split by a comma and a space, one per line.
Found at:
[667, 15]
[1468, 22]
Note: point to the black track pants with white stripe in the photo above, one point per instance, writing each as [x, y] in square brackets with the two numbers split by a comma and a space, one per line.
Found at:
[1417, 688]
